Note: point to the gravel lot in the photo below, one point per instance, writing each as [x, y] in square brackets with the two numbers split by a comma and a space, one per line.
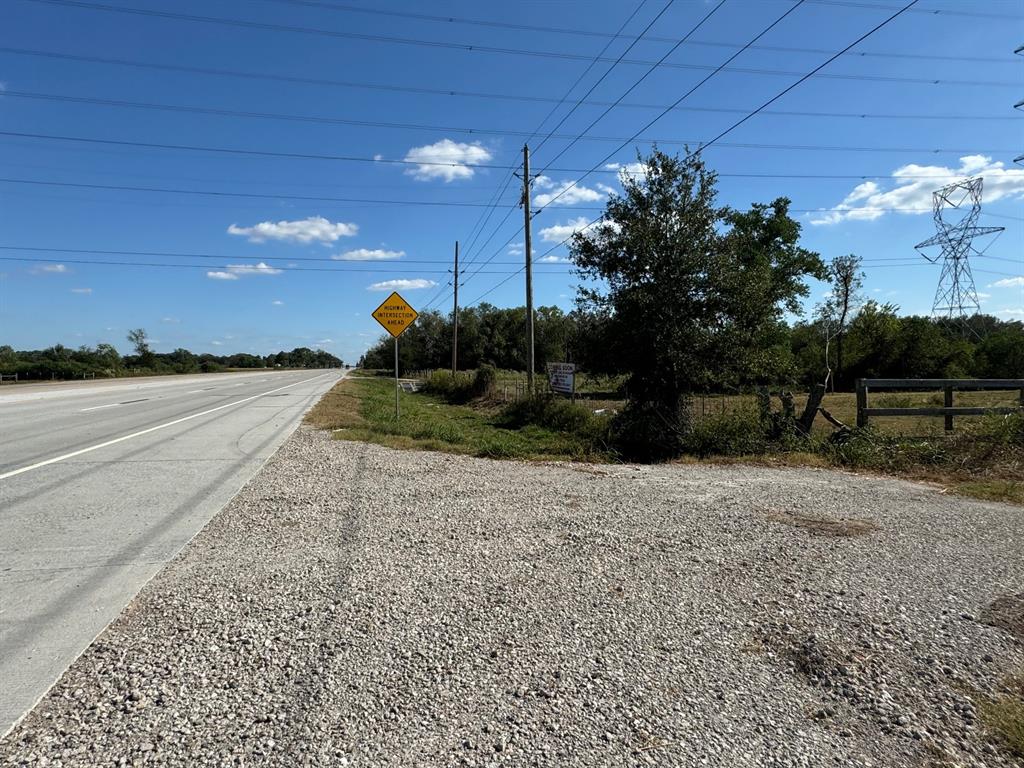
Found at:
[360, 606]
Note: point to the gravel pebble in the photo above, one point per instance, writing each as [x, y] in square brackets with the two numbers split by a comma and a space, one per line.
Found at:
[358, 606]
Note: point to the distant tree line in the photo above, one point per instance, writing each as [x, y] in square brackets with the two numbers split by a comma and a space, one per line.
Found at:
[103, 360]
[878, 343]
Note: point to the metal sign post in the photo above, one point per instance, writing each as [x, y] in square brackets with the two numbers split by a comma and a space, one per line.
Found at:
[396, 316]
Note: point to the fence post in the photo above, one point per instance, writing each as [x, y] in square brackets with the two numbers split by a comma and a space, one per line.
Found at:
[862, 403]
[948, 403]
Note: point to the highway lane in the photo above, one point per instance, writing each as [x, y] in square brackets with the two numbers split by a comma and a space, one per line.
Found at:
[102, 483]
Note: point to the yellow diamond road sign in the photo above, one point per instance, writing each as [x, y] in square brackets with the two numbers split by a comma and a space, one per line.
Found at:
[395, 314]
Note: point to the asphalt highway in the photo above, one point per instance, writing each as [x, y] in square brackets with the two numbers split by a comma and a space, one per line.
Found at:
[103, 482]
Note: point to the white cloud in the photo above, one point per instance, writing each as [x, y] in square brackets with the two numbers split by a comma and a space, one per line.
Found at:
[628, 170]
[982, 296]
[325, 341]
[516, 249]
[559, 232]
[234, 271]
[457, 159]
[277, 303]
[364, 254]
[1008, 282]
[254, 269]
[172, 320]
[81, 290]
[314, 229]
[401, 285]
[378, 157]
[57, 269]
[217, 343]
[553, 259]
[1012, 312]
[567, 194]
[912, 193]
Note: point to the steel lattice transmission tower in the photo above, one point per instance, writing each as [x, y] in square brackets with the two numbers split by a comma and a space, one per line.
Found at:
[955, 209]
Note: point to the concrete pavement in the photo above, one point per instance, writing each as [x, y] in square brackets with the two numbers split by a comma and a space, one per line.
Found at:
[101, 483]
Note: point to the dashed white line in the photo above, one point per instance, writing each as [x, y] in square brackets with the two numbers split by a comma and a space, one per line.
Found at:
[98, 407]
[121, 439]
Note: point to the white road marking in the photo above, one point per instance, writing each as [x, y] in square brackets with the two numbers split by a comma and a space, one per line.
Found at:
[121, 439]
[97, 407]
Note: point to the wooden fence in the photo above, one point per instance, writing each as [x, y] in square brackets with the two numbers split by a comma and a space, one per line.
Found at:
[948, 386]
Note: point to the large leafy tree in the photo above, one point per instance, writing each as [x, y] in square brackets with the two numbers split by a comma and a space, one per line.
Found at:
[691, 294]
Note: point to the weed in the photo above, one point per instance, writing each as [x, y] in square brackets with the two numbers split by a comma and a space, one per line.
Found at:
[1003, 716]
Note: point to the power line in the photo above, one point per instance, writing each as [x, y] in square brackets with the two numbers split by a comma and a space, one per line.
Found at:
[415, 126]
[646, 38]
[461, 204]
[475, 256]
[207, 71]
[179, 255]
[636, 84]
[242, 23]
[388, 161]
[607, 72]
[807, 76]
[238, 268]
[682, 98]
[776, 97]
[482, 222]
[929, 11]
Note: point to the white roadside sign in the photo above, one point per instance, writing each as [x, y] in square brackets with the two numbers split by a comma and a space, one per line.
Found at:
[561, 376]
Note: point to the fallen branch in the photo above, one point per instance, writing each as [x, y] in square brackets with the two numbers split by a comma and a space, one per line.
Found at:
[833, 420]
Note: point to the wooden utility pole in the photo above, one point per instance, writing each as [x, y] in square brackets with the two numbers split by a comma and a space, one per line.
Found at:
[528, 250]
[455, 315]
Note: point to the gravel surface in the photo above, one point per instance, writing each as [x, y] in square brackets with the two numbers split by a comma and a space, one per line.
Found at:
[358, 606]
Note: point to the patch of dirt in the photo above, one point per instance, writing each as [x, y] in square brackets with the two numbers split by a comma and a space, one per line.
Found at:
[823, 526]
[1006, 613]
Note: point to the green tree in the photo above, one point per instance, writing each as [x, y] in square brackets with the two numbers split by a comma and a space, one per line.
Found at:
[694, 294]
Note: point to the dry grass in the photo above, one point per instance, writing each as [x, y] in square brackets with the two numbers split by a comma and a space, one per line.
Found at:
[1010, 491]
[339, 408]
[823, 526]
[1006, 613]
[1003, 716]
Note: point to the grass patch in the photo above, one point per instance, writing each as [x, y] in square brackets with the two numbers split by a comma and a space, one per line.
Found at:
[1010, 491]
[363, 408]
[1003, 716]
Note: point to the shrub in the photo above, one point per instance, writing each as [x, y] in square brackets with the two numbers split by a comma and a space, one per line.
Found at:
[454, 389]
[737, 433]
[485, 380]
[643, 433]
[557, 415]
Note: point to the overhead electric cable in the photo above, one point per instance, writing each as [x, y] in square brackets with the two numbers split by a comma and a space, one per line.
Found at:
[591, 33]
[243, 23]
[526, 97]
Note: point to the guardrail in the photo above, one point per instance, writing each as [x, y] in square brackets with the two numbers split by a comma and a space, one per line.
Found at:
[948, 387]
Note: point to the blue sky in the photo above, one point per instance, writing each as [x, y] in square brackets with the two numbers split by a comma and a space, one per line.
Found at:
[928, 96]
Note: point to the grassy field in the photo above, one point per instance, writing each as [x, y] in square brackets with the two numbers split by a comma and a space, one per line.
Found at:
[603, 392]
[363, 408]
